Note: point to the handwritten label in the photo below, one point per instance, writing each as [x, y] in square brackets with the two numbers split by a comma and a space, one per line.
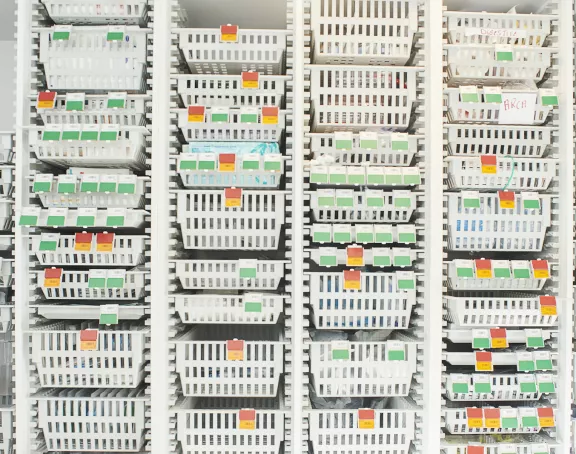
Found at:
[496, 32]
[517, 108]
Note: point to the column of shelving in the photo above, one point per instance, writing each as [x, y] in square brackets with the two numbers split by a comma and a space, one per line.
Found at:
[365, 228]
[81, 211]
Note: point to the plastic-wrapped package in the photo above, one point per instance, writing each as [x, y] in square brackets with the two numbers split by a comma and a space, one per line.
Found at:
[339, 403]
[238, 148]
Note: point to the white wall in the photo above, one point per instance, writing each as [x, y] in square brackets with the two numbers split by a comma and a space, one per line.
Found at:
[7, 85]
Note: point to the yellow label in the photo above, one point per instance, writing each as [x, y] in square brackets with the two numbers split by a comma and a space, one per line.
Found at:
[249, 84]
[104, 247]
[507, 204]
[546, 422]
[475, 422]
[489, 169]
[484, 274]
[541, 274]
[45, 105]
[83, 247]
[548, 310]
[355, 261]
[86, 346]
[365, 424]
[247, 425]
[235, 355]
[270, 120]
[52, 282]
[195, 118]
[484, 366]
[233, 203]
[229, 37]
[492, 423]
[351, 285]
[499, 343]
[227, 167]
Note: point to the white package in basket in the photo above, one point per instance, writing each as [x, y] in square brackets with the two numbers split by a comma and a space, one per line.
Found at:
[249, 364]
[92, 420]
[87, 60]
[6, 429]
[358, 98]
[362, 369]
[363, 32]
[210, 51]
[207, 222]
[93, 12]
[478, 222]
[6, 147]
[117, 362]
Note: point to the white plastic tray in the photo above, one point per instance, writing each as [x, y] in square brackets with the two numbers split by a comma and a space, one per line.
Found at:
[92, 12]
[504, 387]
[133, 219]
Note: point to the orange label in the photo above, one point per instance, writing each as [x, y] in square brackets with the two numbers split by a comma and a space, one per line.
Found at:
[366, 424]
[233, 203]
[352, 285]
[499, 343]
[247, 424]
[195, 118]
[88, 345]
[45, 105]
[492, 423]
[227, 167]
[507, 204]
[228, 37]
[83, 247]
[484, 274]
[489, 169]
[270, 120]
[541, 274]
[249, 84]
[104, 247]
[546, 422]
[484, 366]
[355, 261]
[52, 282]
[475, 422]
[548, 310]
[235, 355]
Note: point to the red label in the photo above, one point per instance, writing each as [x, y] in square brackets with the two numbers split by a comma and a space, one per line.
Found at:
[229, 29]
[540, 265]
[250, 79]
[247, 415]
[352, 275]
[475, 450]
[233, 193]
[482, 264]
[235, 345]
[53, 273]
[488, 160]
[104, 238]
[366, 413]
[498, 333]
[484, 356]
[83, 238]
[89, 335]
[270, 111]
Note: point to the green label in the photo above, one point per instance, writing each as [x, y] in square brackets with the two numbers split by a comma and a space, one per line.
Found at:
[186, 164]
[544, 364]
[384, 238]
[375, 202]
[482, 388]
[28, 220]
[109, 135]
[342, 237]
[319, 178]
[396, 355]
[464, 272]
[115, 282]
[338, 178]
[382, 260]
[546, 387]
[406, 238]
[250, 165]
[107, 187]
[51, 135]
[529, 421]
[469, 97]
[272, 166]
[114, 36]
[356, 179]
[116, 104]
[60, 36]
[549, 100]
[402, 202]
[115, 221]
[66, 188]
[97, 282]
[412, 179]
[528, 387]
[400, 145]
[74, 106]
[365, 237]
[246, 118]
[42, 186]
[326, 201]
[481, 342]
[48, 245]
[521, 274]
[403, 260]
[535, 342]
[526, 366]
[219, 118]
[341, 354]
[206, 165]
[504, 56]
[328, 260]
[343, 144]
[248, 273]
[252, 307]
[322, 237]
[471, 203]
[89, 135]
[368, 144]
[85, 221]
[393, 179]
[406, 284]
[346, 202]
[502, 272]
[493, 98]
[71, 135]
[126, 188]
[88, 187]
[375, 178]
[532, 204]
[108, 319]
[509, 423]
[55, 221]
[460, 388]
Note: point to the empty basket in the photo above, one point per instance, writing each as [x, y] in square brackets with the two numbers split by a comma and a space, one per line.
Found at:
[105, 12]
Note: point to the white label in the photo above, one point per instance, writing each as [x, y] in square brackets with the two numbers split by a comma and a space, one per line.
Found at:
[539, 449]
[496, 32]
[64, 179]
[325, 193]
[53, 128]
[345, 194]
[206, 156]
[75, 97]
[87, 212]
[405, 228]
[398, 137]
[481, 378]
[467, 195]
[58, 212]
[116, 212]
[500, 264]
[468, 90]
[364, 229]
[117, 29]
[248, 263]
[342, 136]
[337, 170]
[109, 179]
[50, 237]
[480, 334]
[253, 298]
[507, 449]
[508, 412]
[366, 136]
[395, 345]
[43, 178]
[251, 157]
[517, 108]
[109, 309]
[539, 356]
[533, 333]
[527, 411]
[96, 274]
[90, 128]
[356, 171]
[393, 171]
[544, 378]
[373, 194]
[342, 229]
[376, 171]
[245, 111]
[530, 196]
[327, 251]
[116, 274]
[492, 91]
[269, 157]
[410, 171]
[322, 228]
[62, 28]
[128, 179]
[459, 378]
[340, 345]
[110, 128]
[526, 378]
[519, 265]
[459, 263]
[90, 178]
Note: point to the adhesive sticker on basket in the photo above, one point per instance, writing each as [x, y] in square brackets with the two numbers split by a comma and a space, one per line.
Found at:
[496, 33]
[539, 449]
[196, 114]
[343, 140]
[381, 257]
[219, 115]
[253, 302]
[97, 278]
[483, 362]
[356, 175]
[528, 417]
[498, 338]
[517, 108]
[83, 242]
[229, 33]
[509, 418]
[492, 418]
[108, 314]
[270, 115]
[483, 268]
[75, 102]
[90, 132]
[395, 351]
[548, 305]
[104, 242]
[321, 233]
[67, 184]
[251, 161]
[474, 418]
[226, 162]
[383, 233]
[250, 79]
[406, 280]
[187, 162]
[109, 133]
[501, 269]
[545, 383]
[116, 33]
[247, 419]
[520, 269]
[548, 97]
[460, 384]
[534, 338]
[475, 449]
[52, 277]
[71, 132]
[337, 175]
[540, 269]
[546, 417]
[374, 198]
[375, 175]
[402, 199]
[115, 217]
[352, 279]
[318, 174]
[56, 217]
[89, 183]
[247, 268]
[482, 384]
[507, 449]
[480, 338]
[406, 234]
[328, 256]
[233, 197]
[503, 52]
[29, 216]
[127, 184]
[527, 383]
[543, 360]
[469, 93]
[49, 242]
[344, 198]
[507, 199]
[493, 95]
[393, 176]
[366, 418]
[273, 163]
[365, 233]
[470, 199]
[340, 350]
[52, 132]
[401, 257]
[368, 140]
[525, 362]
[86, 217]
[115, 278]
[61, 32]
[207, 161]
[116, 100]
[235, 350]
[354, 256]
[42, 182]
[489, 164]
[399, 141]
[88, 340]
[249, 115]
[530, 200]
[46, 100]
[411, 176]
[342, 233]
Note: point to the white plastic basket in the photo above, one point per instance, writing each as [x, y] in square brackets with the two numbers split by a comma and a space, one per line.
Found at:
[515, 141]
[522, 444]
[338, 431]
[490, 309]
[128, 151]
[93, 12]
[234, 130]
[203, 430]
[6, 242]
[367, 234]
[247, 308]
[118, 361]
[84, 312]
[485, 112]
[74, 286]
[383, 154]
[491, 228]
[133, 219]
[102, 420]
[498, 28]
[499, 358]
[227, 274]
[363, 32]
[477, 64]
[361, 209]
[396, 257]
[368, 371]
[6, 214]
[363, 176]
[207, 365]
[96, 111]
[522, 174]
[6, 180]
[87, 61]
[223, 90]
[6, 147]
[127, 251]
[356, 98]
[6, 429]
[255, 50]
[378, 305]
[5, 315]
[6, 272]
[513, 336]
[206, 222]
